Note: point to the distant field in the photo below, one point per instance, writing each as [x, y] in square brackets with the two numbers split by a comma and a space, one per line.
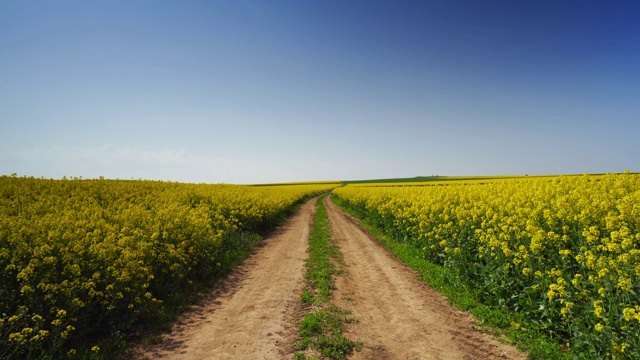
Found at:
[438, 180]
[323, 182]
[429, 180]
[423, 179]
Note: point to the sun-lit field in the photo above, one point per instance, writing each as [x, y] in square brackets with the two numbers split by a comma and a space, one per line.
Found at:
[87, 259]
[452, 180]
[562, 251]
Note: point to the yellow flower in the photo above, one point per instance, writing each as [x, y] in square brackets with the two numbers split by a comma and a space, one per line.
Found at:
[566, 310]
[598, 309]
[603, 272]
[599, 327]
[576, 280]
[17, 337]
[628, 313]
[624, 284]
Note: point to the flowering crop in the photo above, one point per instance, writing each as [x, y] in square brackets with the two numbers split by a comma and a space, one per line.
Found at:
[564, 251]
[88, 259]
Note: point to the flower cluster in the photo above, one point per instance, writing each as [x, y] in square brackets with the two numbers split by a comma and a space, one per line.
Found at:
[564, 251]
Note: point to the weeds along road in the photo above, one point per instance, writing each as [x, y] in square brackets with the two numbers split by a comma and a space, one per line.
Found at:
[253, 314]
[398, 316]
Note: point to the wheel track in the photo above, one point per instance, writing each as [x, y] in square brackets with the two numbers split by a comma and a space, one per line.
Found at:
[398, 316]
[253, 313]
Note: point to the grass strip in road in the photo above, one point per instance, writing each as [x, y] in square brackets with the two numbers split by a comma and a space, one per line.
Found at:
[493, 320]
[322, 328]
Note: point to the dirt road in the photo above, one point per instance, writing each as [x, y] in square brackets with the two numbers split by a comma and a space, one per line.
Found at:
[253, 314]
[398, 316]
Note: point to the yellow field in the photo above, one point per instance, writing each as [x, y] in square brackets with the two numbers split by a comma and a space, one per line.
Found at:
[85, 259]
[563, 251]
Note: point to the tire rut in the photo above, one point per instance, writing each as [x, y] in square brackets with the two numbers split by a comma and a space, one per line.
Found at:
[253, 313]
[398, 316]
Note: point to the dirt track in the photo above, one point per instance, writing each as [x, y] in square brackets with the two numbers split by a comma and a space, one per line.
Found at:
[398, 316]
[253, 314]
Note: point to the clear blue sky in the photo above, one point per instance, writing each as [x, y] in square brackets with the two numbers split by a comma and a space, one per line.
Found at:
[267, 91]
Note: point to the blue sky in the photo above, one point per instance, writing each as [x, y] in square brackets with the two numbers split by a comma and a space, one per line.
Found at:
[269, 91]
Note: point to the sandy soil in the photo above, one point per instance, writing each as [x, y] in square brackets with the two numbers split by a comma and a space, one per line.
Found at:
[253, 314]
[398, 316]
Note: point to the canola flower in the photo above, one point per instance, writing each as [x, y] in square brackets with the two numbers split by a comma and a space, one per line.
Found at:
[564, 251]
[85, 259]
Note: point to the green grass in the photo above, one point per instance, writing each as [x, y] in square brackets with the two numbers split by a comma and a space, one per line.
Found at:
[496, 321]
[322, 328]
[323, 258]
